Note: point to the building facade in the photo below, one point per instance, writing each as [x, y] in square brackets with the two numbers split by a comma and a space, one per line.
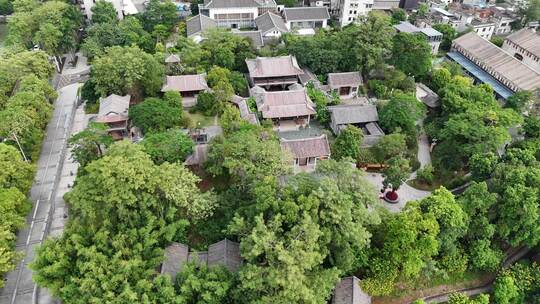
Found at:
[236, 13]
[524, 45]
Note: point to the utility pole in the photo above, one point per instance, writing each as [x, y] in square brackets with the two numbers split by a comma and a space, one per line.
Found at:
[20, 147]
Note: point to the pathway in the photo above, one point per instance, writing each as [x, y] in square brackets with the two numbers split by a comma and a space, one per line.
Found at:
[406, 192]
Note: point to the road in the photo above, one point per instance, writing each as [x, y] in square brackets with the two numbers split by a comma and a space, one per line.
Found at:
[48, 213]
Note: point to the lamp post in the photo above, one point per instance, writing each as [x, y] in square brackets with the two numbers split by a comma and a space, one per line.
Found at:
[19, 145]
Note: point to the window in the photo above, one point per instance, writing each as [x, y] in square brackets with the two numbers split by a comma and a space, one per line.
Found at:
[518, 56]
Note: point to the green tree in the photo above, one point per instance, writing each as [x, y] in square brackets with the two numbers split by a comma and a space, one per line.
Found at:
[6, 7]
[125, 70]
[497, 40]
[482, 165]
[401, 114]
[230, 119]
[411, 53]
[520, 101]
[208, 103]
[89, 145]
[396, 173]
[48, 37]
[461, 298]
[531, 126]
[169, 146]
[104, 12]
[505, 290]
[348, 143]
[200, 284]
[159, 13]
[389, 146]
[398, 15]
[155, 115]
[440, 78]
[246, 155]
[449, 34]
[14, 171]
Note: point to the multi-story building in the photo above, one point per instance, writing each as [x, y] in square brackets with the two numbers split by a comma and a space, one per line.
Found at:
[305, 20]
[385, 4]
[433, 36]
[345, 11]
[487, 63]
[483, 29]
[524, 45]
[236, 13]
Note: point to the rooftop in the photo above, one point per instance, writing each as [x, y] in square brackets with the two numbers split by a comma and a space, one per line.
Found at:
[172, 58]
[255, 37]
[269, 21]
[238, 3]
[113, 108]
[352, 114]
[497, 60]
[273, 66]
[281, 104]
[349, 79]
[348, 291]
[527, 39]
[306, 147]
[185, 83]
[198, 24]
[305, 13]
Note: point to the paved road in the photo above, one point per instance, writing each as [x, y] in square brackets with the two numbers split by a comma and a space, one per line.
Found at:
[48, 213]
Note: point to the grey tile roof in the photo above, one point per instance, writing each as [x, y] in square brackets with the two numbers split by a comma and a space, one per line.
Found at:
[198, 24]
[349, 79]
[172, 58]
[273, 66]
[281, 104]
[255, 37]
[348, 291]
[497, 61]
[527, 39]
[307, 147]
[226, 253]
[306, 13]
[238, 3]
[270, 21]
[113, 108]
[406, 27]
[176, 255]
[427, 96]
[185, 83]
[352, 114]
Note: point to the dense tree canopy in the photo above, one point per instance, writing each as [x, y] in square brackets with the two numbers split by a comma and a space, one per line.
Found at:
[411, 53]
[169, 146]
[348, 143]
[156, 115]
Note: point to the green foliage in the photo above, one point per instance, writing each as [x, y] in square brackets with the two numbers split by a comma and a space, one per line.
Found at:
[396, 173]
[6, 7]
[520, 101]
[52, 25]
[518, 284]
[88, 145]
[425, 174]
[497, 40]
[230, 119]
[208, 104]
[531, 126]
[159, 13]
[287, 242]
[103, 12]
[200, 284]
[156, 115]
[321, 102]
[347, 144]
[389, 146]
[411, 53]
[126, 70]
[440, 78]
[461, 298]
[359, 46]
[482, 165]
[401, 114]
[505, 290]
[170, 146]
[449, 34]
[246, 155]
[224, 49]
[398, 15]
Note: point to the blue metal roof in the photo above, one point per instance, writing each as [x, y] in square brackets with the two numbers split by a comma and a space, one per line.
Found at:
[480, 74]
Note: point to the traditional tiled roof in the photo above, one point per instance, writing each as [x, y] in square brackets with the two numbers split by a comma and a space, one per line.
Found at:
[348, 291]
[245, 112]
[273, 66]
[350, 79]
[282, 104]
[238, 3]
[113, 108]
[172, 58]
[497, 61]
[185, 83]
[353, 114]
[198, 24]
[307, 147]
[527, 39]
[427, 96]
[305, 13]
[269, 22]
[176, 255]
[255, 37]
[226, 253]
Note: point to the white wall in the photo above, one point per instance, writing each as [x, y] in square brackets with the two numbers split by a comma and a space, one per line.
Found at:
[485, 31]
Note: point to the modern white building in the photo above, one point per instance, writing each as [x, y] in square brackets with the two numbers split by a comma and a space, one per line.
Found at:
[345, 11]
[524, 45]
[236, 13]
[271, 25]
[483, 29]
[305, 20]
[433, 36]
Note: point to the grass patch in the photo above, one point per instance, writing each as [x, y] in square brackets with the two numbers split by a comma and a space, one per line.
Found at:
[198, 120]
[420, 185]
